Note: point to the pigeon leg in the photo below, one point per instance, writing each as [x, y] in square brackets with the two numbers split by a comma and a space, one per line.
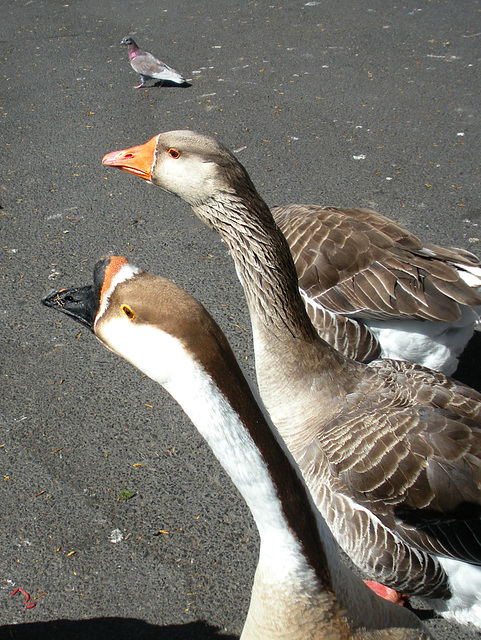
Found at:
[142, 84]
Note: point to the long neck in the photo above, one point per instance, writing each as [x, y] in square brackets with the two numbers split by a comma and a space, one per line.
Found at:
[301, 589]
[295, 557]
[289, 353]
[263, 261]
[222, 405]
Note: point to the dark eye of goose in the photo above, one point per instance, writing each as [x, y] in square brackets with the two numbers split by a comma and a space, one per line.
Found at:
[128, 311]
[173, 153]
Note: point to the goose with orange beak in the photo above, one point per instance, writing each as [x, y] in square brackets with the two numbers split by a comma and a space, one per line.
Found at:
[371, 288]
[391, 452]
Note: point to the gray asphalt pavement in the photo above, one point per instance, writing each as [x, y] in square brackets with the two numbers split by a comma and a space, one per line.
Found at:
[336, 102]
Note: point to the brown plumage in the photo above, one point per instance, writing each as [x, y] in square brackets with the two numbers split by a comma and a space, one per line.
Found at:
[301, 591]
[357, 267]
[389, 451]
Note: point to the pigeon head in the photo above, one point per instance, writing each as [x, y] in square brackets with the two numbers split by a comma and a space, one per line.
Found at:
[128, 40]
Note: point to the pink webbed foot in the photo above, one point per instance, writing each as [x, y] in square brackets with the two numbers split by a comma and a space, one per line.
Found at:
[386, 593]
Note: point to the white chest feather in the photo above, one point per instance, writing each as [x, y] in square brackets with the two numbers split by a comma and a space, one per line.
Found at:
[164, 359]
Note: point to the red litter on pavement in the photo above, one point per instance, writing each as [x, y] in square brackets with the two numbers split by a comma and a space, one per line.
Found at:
[28, 603]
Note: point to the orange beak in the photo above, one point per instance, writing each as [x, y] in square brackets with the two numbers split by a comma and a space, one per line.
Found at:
[137, 160]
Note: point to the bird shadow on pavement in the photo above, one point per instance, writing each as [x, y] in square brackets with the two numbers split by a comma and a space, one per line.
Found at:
[469, 369]
[169, 83]
[111, 629]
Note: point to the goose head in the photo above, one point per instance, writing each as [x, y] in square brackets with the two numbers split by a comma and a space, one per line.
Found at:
[191, 165]
[204, 173]
[137, 316]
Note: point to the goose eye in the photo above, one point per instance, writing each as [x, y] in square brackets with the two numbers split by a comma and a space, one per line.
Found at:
[173, 153]
[130, 313]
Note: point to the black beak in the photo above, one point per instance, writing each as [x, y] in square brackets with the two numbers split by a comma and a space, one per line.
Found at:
[81, 304]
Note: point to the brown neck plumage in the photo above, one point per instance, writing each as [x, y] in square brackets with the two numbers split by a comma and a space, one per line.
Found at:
[222, 366]
[263, 260]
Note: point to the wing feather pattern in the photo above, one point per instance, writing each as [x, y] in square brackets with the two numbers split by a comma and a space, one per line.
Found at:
[412, 463]
[359, 263]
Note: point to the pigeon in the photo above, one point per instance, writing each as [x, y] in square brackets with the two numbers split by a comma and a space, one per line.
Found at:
[148, 66]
